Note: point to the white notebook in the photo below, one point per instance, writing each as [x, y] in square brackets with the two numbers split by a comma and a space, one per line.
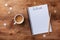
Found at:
[39, 19]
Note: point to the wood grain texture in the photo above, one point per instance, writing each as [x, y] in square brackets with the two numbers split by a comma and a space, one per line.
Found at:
[23, 32]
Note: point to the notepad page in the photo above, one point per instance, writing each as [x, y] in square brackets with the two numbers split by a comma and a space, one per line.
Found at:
[39, 19]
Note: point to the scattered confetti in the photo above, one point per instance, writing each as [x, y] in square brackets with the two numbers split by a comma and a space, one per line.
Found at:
[10, 8]
[5, 24]
[9, 12]
[6, 4]
[44, 35]
[55, 11]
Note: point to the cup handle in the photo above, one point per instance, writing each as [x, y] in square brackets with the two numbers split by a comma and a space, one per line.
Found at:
[14, 23]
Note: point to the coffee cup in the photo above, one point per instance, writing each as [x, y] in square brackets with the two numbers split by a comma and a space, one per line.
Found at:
[19, 19]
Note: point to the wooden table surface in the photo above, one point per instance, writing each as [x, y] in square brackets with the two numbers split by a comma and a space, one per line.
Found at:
[23, 32]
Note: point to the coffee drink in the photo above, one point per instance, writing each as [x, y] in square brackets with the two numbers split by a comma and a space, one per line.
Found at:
[18, 18]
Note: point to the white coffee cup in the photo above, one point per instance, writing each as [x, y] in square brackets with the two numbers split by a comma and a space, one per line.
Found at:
[21, 19]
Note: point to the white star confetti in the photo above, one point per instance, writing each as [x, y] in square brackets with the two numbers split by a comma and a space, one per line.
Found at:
[4, 24]
[6, 4]
[10, 8]
[44, 35]
[9, 12]
[55, 11]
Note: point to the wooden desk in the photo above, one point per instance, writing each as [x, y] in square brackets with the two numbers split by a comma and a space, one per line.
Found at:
[23, 32]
